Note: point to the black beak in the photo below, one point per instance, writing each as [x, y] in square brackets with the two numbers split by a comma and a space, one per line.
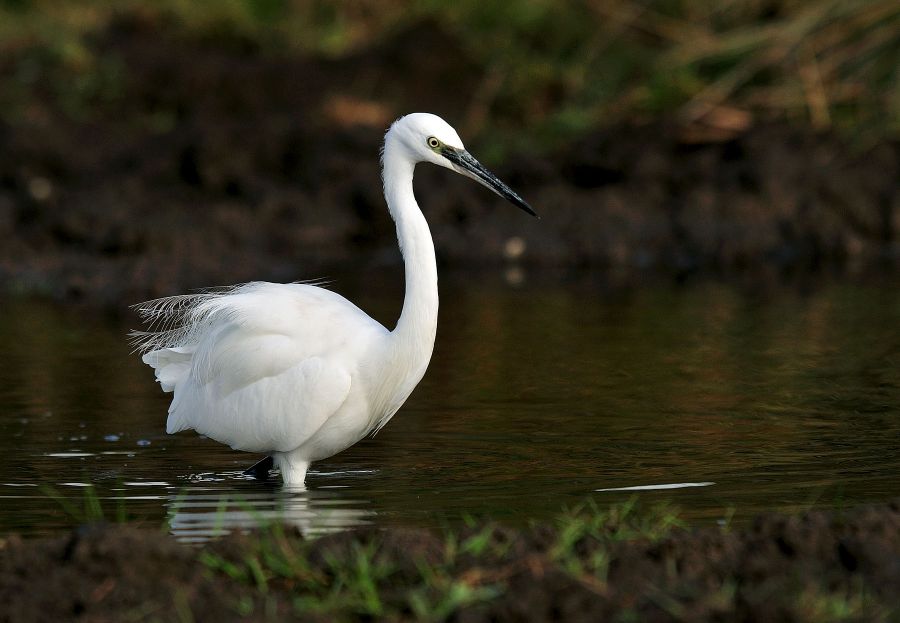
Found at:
[464, 163]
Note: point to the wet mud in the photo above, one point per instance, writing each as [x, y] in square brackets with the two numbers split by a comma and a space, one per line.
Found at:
[819, 566]
[242, 164]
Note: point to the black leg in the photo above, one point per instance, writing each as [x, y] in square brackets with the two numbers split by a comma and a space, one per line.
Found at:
[260, 470]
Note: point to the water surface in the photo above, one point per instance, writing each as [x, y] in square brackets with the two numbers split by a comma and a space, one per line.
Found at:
[727, 400]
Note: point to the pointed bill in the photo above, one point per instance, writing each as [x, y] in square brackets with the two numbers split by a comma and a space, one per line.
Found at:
[465, 163]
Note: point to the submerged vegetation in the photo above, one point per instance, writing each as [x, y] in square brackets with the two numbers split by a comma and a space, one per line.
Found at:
[626, 562]
[555, 70]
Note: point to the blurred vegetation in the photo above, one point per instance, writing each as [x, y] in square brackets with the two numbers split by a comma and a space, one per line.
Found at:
[469, 565]
[556, 68]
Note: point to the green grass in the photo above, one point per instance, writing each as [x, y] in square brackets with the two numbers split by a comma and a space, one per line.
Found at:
[434, 576]
[583, 534]
[357, 583]
[362, 580]
[90, 508]
[553, 68]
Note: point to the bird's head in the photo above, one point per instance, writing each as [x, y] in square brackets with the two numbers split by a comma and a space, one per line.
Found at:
[427, 138]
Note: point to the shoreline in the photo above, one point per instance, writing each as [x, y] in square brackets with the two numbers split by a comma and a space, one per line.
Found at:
[593, 563]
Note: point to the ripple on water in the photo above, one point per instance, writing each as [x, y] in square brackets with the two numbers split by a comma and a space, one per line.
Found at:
[660, 487]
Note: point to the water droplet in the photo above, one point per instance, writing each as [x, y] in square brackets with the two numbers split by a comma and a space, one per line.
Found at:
[143, 442]
[111, 438]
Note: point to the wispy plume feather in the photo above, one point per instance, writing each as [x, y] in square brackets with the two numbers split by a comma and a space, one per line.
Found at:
[181, 320]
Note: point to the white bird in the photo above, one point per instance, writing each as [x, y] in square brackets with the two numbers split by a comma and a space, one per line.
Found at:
[297, 371]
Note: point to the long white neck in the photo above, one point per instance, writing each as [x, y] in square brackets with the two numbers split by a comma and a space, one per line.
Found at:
[413, 337]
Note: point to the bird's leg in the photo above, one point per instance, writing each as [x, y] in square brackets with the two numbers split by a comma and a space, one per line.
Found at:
[260, 470]
[293, 468]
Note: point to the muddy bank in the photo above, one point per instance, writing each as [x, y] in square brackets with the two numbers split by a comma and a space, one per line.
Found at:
[815, 567]
[242, 165]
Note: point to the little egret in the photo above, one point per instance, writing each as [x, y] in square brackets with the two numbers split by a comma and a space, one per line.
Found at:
[296, 371]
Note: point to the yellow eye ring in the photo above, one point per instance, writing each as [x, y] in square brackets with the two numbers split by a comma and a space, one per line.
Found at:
[433, 142]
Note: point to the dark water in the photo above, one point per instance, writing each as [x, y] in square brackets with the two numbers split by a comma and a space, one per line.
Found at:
[539, 395]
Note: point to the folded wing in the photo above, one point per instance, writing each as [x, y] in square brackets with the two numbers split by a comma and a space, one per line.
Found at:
[244, 369]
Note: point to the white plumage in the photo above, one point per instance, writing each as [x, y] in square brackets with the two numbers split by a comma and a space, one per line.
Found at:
[295, 370]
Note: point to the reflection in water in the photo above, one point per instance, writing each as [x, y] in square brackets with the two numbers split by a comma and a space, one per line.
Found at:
[538, 396]
[197, 514]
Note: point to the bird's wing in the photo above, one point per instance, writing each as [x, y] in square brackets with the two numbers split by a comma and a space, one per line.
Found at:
[261, 383]
[255, 394]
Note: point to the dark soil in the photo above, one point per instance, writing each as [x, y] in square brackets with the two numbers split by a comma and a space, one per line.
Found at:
[815, 567]
[238, 164]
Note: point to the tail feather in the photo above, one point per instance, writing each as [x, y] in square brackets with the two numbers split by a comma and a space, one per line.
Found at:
[170, 364]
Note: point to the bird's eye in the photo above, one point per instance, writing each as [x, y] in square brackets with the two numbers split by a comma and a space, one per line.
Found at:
[433, 142]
